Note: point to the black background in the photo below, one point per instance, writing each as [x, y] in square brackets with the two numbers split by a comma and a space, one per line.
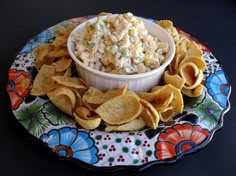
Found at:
[212, 22]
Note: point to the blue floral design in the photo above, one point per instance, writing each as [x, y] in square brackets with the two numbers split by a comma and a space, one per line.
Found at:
[218, 87]
[43, 37]
[72, 143]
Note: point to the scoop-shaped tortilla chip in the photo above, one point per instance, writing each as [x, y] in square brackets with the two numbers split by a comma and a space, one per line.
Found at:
[162, 101]
[191, 74]
[198, 61]
[63, 98]
[167, 115]
[194, 50]
[149, 114]
[174, 80]
[88, 124]
[133, 125]
[83, 112]
[177, 102]
[120, 110]
[92, 91]
[148, 96]
[193, 92]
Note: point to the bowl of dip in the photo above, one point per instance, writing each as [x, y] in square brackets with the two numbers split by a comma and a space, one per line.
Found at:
[114, 50]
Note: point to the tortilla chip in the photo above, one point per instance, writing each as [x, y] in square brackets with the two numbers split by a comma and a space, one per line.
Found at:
[174, 80]
[62, 64]
[102, 98]
[72, 82]
[133, 125]
[88, 124]
[43, 82]
[63, 98]
[120, 110]
[149, 114]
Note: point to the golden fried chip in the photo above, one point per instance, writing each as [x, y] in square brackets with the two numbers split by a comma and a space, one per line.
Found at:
[129, 92]
[43, 82]
[92, 91]
[148, 96]
[156, 89]
[102, 98]
[177, 102]
[68, 72]
[72, 82]
[41, 54]
[88, 124]
[194, 50]
[62, 64]
[163, 100]
[191, 74]
[104, 14]
[79, 101]
[60, 41]
[193, 92]
[149, 114]
[167, 115]
[63, 98]
[134, 125]
[183, 46]
[174, 80]
[160, 108]
[61, 31]
[70, 28]
[178, 59]
[165, 23]
[83, 112]
[62, 35]
[198, 61]
[120, 110]
[61, 52]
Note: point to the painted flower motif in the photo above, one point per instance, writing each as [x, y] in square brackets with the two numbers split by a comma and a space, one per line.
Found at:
[43, 37]
[72, 143]
[209, 113]
[32, 118]
[18, 86]
[179, 139]
[218, 88]
[54, 115]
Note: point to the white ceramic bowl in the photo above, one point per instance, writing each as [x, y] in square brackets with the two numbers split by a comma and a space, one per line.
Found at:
[136, 82]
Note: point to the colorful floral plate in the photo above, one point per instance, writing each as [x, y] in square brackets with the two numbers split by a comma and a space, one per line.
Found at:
[186, 133]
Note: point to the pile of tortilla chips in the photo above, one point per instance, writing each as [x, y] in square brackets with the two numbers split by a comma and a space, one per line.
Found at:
[186, 70]
[117, 109]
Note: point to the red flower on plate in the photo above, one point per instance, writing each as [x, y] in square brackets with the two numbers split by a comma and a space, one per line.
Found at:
[178, 139]
[18, 86]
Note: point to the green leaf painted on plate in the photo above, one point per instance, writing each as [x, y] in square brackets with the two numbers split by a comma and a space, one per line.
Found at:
[54, 115]
[32, 119]
[209, 113]
[190, 102]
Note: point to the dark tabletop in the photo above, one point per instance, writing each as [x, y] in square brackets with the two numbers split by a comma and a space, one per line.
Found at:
[212, 22]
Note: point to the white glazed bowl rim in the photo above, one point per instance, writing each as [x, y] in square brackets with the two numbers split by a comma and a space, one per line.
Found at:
[168, 60]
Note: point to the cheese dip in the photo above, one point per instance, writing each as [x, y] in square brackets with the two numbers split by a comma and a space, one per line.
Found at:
[119, 44]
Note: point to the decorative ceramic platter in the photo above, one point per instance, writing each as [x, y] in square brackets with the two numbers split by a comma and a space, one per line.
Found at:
[185, 133]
